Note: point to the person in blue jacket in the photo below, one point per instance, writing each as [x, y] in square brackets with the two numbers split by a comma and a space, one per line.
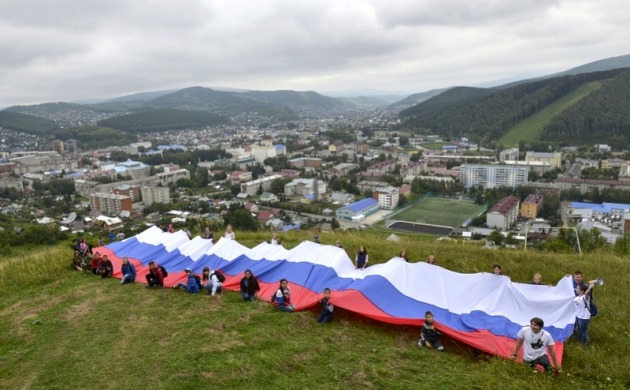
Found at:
[191, 286]
[128, 271]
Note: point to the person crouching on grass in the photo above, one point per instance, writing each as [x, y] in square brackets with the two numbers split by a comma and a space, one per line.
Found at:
[128, 271]
[537, 341]
[282, 297]
[191, 285]
[105, 267]
[429, 336]
[326, 314]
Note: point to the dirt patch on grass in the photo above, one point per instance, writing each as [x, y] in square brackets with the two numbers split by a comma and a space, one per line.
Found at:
[82, 308]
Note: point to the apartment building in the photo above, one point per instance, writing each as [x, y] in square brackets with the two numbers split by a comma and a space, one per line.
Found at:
[110, 204]
[531, 205]
[503, 214]
[492, 176]
[387, 197]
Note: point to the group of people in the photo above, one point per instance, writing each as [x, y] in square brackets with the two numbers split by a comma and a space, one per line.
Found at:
[88, 261]
[533, 338]
[361, 258]
[537, 341]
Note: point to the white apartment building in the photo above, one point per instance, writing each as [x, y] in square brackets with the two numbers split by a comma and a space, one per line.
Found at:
[509, 154]
[492, 176]
[554, 159]
[387, 197]
[305, 188]
[262, 152]
[251, 188]
[171, 177]
[152, 195]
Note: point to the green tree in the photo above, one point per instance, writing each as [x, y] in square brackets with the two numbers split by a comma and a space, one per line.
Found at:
[277, 186]
[496, 237]
[241, 219]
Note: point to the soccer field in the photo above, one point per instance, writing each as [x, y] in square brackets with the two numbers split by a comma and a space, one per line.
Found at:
[439, 211]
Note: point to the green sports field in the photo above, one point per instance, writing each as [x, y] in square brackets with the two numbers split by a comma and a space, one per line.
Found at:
[440, 211]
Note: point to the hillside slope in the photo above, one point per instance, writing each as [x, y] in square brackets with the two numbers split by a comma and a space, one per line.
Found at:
[26, 123]
[163, 119]
[532, 128]
[56, 332]
[601, 117]
[487, 118]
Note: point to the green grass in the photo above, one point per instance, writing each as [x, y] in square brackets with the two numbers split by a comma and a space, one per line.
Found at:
[60, 329]
[434, 145]
[531, 129]
[439, 211]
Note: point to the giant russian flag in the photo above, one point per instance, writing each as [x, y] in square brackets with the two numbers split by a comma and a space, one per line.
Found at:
[482, 310]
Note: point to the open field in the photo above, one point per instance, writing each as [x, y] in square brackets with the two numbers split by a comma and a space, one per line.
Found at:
[531, 128]
[420, 228]
[439, 211]
[60, 329]
[434, 145]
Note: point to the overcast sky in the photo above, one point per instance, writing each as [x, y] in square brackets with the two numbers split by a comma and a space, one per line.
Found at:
[73, 50]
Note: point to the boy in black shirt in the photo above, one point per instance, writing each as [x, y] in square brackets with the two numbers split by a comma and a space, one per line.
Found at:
[429, 336]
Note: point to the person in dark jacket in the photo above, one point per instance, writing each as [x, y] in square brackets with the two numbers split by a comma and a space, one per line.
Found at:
[128, 271]
[361, 259]
[249, 287]
[191, 285]
[105, 267]
[208, 234]
[155, 277]
[429, 336]
[326, 315]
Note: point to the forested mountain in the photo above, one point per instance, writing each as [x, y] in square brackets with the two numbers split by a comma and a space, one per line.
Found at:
[300, 101]
[599, 66]
[163, 119]
[603, 115]
[416, 98]
[447, 98]
[488, 116]
[138, 97]
[46, 109]
[26, 123]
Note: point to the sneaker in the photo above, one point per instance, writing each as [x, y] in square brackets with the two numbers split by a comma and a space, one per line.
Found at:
[420, 343]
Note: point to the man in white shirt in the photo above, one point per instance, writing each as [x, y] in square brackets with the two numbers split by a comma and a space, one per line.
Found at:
[536, 341]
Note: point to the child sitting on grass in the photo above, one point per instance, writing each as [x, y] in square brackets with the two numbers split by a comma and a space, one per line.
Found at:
[326, 315]
[191, 285]
[429, 336]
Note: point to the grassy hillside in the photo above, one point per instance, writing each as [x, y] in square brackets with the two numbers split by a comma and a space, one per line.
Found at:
[490, 115]
[61, 329]
[532, 128]
[601, 117]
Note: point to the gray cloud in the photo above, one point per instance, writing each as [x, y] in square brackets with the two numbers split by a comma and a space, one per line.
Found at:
[80, 49]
